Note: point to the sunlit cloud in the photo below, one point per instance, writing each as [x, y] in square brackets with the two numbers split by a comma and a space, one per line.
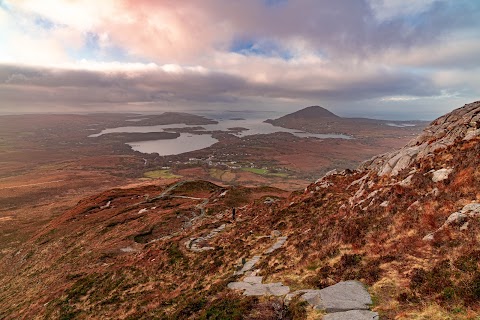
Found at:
[276, 54]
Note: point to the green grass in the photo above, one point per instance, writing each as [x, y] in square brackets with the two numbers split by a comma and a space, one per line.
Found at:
[256, 171]
[265, 172]
[160, 174]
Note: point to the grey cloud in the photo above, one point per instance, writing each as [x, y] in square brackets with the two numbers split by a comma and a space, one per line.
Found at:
[349, 27]
[80, 87]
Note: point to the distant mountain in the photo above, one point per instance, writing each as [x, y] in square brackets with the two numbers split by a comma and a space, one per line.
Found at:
[316, 119]
[313, 112]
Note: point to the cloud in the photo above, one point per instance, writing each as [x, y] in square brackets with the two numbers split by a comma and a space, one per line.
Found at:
[154, 83]
[388, 9]
[353, 52]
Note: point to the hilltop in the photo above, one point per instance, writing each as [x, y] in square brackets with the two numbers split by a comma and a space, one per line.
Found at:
[317, 119]
[405, 224]
[313, 112]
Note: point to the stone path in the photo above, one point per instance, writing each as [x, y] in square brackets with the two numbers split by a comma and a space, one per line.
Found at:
[194, 243]
[252, 284]
[248, 265]
[166, 192]
[352, 315]
[277, 245]
[341, 298]
[347, 300]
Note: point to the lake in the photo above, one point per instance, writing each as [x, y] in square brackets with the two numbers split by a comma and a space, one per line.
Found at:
[187, 142]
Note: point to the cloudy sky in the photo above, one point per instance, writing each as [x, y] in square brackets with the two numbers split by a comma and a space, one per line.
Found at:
[376, 58]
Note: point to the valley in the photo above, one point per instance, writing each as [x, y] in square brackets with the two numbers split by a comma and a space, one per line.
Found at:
[239, 160]
[50, 162]
[404, 226]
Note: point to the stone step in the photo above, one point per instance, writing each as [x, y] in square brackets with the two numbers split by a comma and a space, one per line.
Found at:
[248, 265]
[352, 315]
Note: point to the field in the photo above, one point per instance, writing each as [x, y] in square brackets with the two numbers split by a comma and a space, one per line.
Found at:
[160, 174]
[266, 172]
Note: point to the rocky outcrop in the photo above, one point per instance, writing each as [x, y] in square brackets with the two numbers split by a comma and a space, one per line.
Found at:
[344, 300]
[441, 174]
[461, 124]
[458, 218]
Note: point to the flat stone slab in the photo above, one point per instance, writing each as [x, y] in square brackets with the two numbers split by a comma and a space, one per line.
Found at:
[267, 289]
[256, 290]
[344, 296]
[259, 289]
[253, 279]
[313, 298]
[277, 245]
[352, 315]
[291, 295]
[195, 248]
[239, 285]
[277, 289]
[441, 174]
[248, 265]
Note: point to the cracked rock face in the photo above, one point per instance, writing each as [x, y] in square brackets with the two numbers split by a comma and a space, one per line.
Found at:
[463, 124]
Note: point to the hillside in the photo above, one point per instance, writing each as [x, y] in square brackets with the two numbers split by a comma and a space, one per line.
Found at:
[312, 112]
[317, 119]
[405, 224]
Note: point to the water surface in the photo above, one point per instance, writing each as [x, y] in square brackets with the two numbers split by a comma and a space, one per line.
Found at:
[187, 142]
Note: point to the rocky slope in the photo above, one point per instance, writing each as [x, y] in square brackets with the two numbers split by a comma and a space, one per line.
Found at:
[405, 224]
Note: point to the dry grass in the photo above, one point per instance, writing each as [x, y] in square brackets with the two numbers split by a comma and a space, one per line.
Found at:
[436, 312]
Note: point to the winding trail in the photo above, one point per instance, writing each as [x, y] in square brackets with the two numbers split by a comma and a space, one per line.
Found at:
[166, 192]
[346, 300]
[194, 244]
[252, 284]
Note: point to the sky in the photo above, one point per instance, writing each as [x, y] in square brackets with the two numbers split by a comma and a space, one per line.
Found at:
[390, 59]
